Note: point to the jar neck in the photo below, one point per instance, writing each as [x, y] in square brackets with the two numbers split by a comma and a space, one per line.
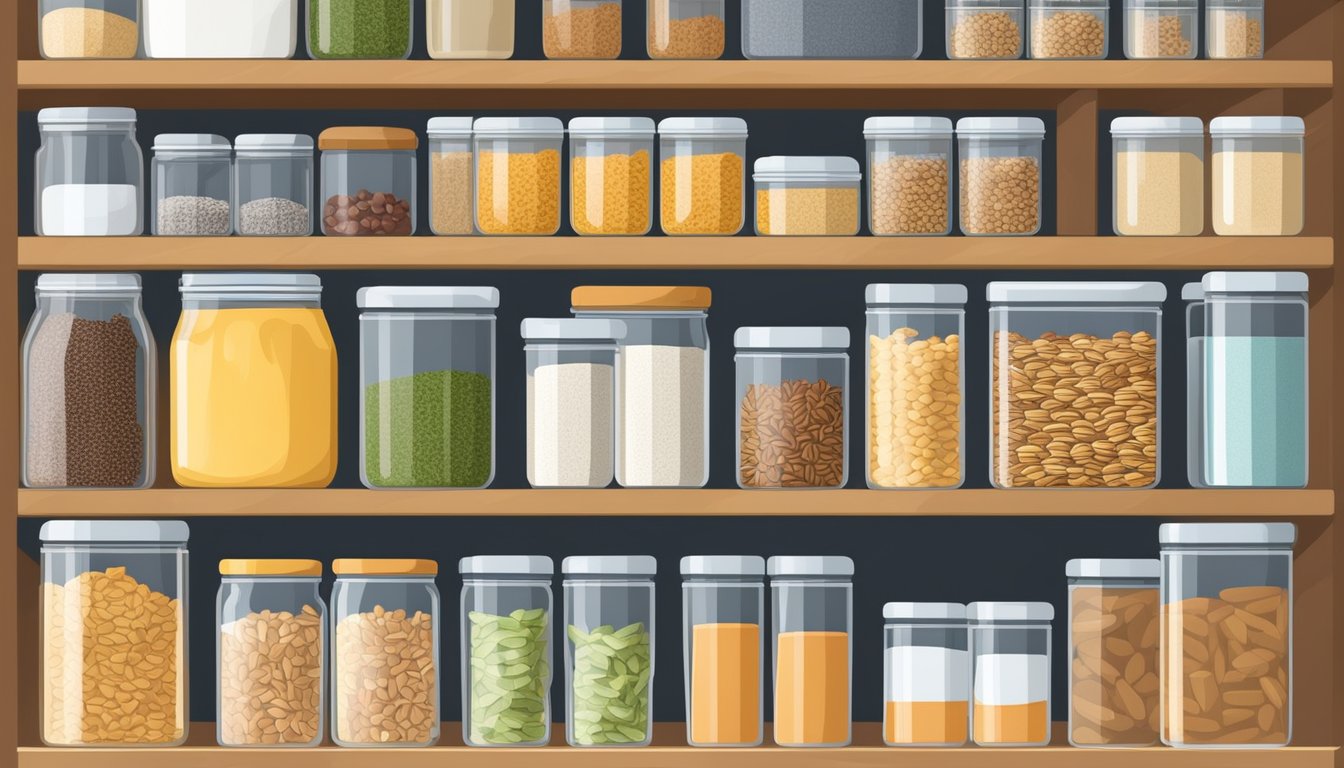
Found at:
[248, 302]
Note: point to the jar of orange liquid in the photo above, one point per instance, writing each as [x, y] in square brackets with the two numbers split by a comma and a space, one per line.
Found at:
[813, 622]
[1010, 650]
[723, 609]
[927, 681]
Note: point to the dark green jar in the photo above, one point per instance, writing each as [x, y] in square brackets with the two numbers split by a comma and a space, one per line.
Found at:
[359, 29]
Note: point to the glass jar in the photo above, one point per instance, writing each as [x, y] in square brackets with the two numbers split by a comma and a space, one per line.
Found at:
[685, 29]
[1161, 29]
[702, 175]
[90, 174]
[985, 29]
[273, 185]
[506, 650]
[98, 578]
[1075, 385]
[827, 29]
[909, 175]
[611, 178]
[427, 386]
[1234, 29]
[368, 180]
[1010, 649]
[1000, 175]
[915, 409]
[469, 29]
[192, 185]
[88, 29]
[1258, 175]
[581, 29]
[450, 172]
[385, 622]
[609, 636]
[807, 195]
[1069, 29]
[1193, 296]
[1158, 175]
[518, 175]
[360, 29]
[813, 620]
[571, 401]
[1227, 634]
[926, 675]
[1113, 663]
[272, 653]
[253, 383]
[89, 381]
[251, 29]
[793, 400]
[723, 646]
[1255, 380]
[662, 369]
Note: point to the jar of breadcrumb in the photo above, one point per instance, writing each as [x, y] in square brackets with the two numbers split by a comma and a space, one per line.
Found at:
[686, 29]
[611, 175]
[518, 175]
[1158, 176]
[1234, 29]
[985, 29]
[909, 175]
[807, 195]
[1000, 175]
[581, 29]
[450, 175]
[1258, 175]
[1161, 29]
[1069, 29]
[702, 175]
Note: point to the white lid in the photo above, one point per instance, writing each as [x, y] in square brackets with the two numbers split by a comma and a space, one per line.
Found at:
[1076, 293]
[76, 115]
[1157, 126]
[1163, 3]
[791, 337]
[1010, 612]
[571, 329]
[427, 297]
[1255, 282]
[809, 565]
[609, 565]
[722, 565]
[925, 611]
[206, 143]
[1002, 126]
[806, 168]
[97, 282]
[115, 531]
[1192, 292]
[273, 142]
[934, 127]
[915, 293]
[521, 565]
[441, 127]
[727, 127]
[277, 285]
[1257, 126]
[1091, 568]
[612, 127]
[1227, 533]
[520, 127]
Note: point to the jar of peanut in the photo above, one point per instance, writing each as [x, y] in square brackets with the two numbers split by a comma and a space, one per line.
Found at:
[1069, 29]
[1161, 29]
[611, 175]
[984, 29]
[702, 175]
[909, 175]
[1000, 175]
[518, 175]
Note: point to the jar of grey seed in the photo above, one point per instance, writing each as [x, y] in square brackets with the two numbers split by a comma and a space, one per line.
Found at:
[273, 194]
[191, 184]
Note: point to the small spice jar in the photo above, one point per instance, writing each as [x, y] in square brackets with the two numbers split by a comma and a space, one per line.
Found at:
[1010, 652]
[1069, 29]
[90, 173]
[909, 175]
[723, 632]
[686, 29]
[251, 29]
[1161, 29]
[469, 29]
[450, 175]
[985, 29]
[1193, 296]
[368, 181]
[271, 653]
[88, 29]
[807, 195]
[191, 183]
[702, 175]
[1234, 29]
[610, 175]
[813, 620]
[581, 29]
[1258, 175]
[385, 657]
[273, 185]
[926, 675]
[1158, 173]
[360, 29]
[1000, 179]
[518, 175]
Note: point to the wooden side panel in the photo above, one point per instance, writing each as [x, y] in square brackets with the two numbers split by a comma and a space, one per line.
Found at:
[1076, 172]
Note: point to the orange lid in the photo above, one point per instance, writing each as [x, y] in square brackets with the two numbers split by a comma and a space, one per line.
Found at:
[367, 138]
[640, 297]
[270, 568]
[354, 566]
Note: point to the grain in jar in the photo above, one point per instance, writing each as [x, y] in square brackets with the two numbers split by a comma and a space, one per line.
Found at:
[88, 29]
[1069, 29]
[985, 29]
[1010, 679]
[813, 624]
[581, 29]
[1234, 29]
[450, 175]
[686, 29]
[702, 175]
[1000, 175]
[517, 175]
[909, 175]
[611, 175]
[807, 195]
[1158, 175]
[1259, 175]
[1161, 29]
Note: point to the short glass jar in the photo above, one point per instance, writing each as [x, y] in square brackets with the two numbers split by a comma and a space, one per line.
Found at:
[807, 195]
[368, 180]
[273, 185]
[191, 183]
[1161, 29]
[469, 29]
[1193, 296]
[360, 29]
[813, 618]
[1158, 176]
[723, 648]
[1000, 179]
[88, 29]
[702, 175]
[1069, 29]
[518, 175]
[611, 175]
[909, 175]
[1234, 29]
[247, 29]
[90, 173]
[1010, 651]
[581, 29]
[450, 175]
[926, 675]
[1259, 180]
[686, 29]
[985, 29]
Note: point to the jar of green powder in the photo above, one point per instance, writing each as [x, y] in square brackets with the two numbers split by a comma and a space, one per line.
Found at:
[359, 29]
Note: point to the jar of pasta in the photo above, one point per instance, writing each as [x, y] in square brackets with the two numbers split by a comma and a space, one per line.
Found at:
[926, 675]
[723, 623]
[518, 175]
[702, 175]
[807, 195]
[1010, 647]
[610, 175]
[813, 619]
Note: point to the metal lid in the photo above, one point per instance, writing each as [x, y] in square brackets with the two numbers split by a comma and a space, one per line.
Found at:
[1257, 126]
[722, 565]
[1001, 127]
[367, 137]
[427, 297]
[1076, 293]
[115, 531]
[1192, 292]
[931, 127]
[1157, 126]
[925, 611]
[571, 329]
[1255, 282]
[1010, 611]
[448, 127]
[709, 127]
[277, 286]
[612, 127]
[901, 294]
[78, 115]
[637, 297]
[303, 568]
[519, 127]
[791, 337]
[511, 565]
[806, 168]
[279, 143]
[610, 565]
[354, 566]
[1090, 568]
[85, 282]
[203, 143]
[809, 565]
[1227, 534]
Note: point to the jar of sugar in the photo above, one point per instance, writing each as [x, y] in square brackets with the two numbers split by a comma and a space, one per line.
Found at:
[90, 172]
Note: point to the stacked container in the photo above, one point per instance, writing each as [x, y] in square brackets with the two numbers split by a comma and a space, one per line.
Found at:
[518, 175]
[723, 648]
[1010, 649]
[985, 29]
[702, 175]
[927, 675]
[1161, 29]
[191, 184]
[1158, 173]
[90, 172]
[813, 607]
[611, 175]
[368, 180]
[807, 195]
[450, 175]
[909, 175]
[1258, 175]
[273, 185]
[1000, 178]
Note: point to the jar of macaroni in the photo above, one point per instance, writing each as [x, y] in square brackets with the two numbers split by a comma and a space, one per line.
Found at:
[611, 175]
[450, 175]
[368, 181]
[813, 620]
[1010, 648]
[1193, 296]
[1000, 179]
[723, 632]
[1158, 165]
[807, 195]
[702, 175]
[909, 175]
[686, 29]
[1234, 29]
[985, 29]
[1161, 29]
[926, 675]
[518, 175]
[1258, 175]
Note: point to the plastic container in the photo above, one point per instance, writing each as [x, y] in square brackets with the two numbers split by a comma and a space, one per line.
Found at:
[609, 648]
[1069, 29]
[723, 647]
[610, 175]
[89, 382]
[685, 29]
[1158, 176]
[909, 175]
[581, 29]
[253, 383]
[1114, 674]
[265, 605]
[1236, 578]
[793, 402]
[807, 195]
[90, 173]
[88, 29]
[98, 577]
[832, 29]
[518, 175]
[273, 185]
[1000, 179]
[1255, 380]
[506, 650]
[926, 675]
[662, 398]
[915, 409]
[1234, 29]
[368, 180]
[192, 185]
[1161, 29]
[451, 163]
[469, 29]
[813, 621]
[247, 29]
[385, 626]
[1193, 296]
[1258, 175]
[985, 29]
[702, 175]
[360, 29]
[1068, 353]
[1010, 652]
[427, 386]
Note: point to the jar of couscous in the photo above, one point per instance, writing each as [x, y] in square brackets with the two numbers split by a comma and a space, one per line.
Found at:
[1259, 175]
[450, 176]
[702, 175]
[807, 195]
[686, 29]
[581, 29]
[1158, 175]
[518, 175]
[610, 175]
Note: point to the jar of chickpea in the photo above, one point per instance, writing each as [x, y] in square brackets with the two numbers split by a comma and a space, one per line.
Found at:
[909, 175]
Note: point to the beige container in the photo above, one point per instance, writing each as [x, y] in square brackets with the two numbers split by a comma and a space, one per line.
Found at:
[1158, 165]
[807, 195]
[469, 29]
[450, 176]
[1258, 175]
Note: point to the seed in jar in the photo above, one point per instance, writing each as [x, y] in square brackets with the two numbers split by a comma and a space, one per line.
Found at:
[910, 195]
[1234, 35]
[1160, 36]
[385, 680]
[1115, 686]
[793, 435]
[528, 203]
[450, 193]
[1000, 195]
[270, 678]
[274, 216]
[704, 199]
[366, 213]
[808, 211]
[193, 215]
[985, 35]
[581, 33]
[1068, 35]
[914, 410]
[619, 204]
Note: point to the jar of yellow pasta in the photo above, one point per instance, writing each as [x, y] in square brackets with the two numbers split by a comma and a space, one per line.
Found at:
[253, 382]
[518, 175]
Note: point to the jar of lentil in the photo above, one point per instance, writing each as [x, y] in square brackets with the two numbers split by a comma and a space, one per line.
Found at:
[926, 675]
[518, 175]
[1069, 29]
[469, 29]
[1010, 681]
[723, 632]
[702, 175]
[581, 29]
[1193, 296]
[685, 29]
[360, 29]
[1000, 178]
[88, 29]
[271, 654]
[807, 195]
[1258, 175]
[90, 173]
[909, 175]
[273, 185]
[985, 29]
[813, 618]
[450, 175]
[368, 181]
[1161, 29]
[1158, 176]
[610, 175]
[1234, 29]
[191, 183]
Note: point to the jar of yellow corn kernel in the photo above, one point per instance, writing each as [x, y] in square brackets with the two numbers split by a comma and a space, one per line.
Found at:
[610, 175]
[807, 195]
[702, 175]
[518, 175]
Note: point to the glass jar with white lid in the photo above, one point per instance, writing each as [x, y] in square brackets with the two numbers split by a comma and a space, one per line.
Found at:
[517, 175]
[1234, 29]
[985, 29]
[450, 175]
[192, 185]
[926, 675]
[909, 175]
[799, 195]
[1069, 29]
[1158, 172]
[812, 615]
[723, 649]
[273, 185]
[1010, 652]
[1259, 178]
[611, 175]
[686, 29]
[90, 173]
[1000, 175]
[702, 175]
[1161, 29]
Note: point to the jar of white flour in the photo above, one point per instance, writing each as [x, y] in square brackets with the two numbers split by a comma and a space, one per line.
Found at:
[90, 172]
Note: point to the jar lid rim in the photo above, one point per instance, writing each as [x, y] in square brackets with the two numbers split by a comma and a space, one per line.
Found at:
[1009, 611]
[88, 282]
[937, 127]
[878, 294]
[1256, 282]
[76, 115]
[615, 127]
[115, 531]
[1227, 534]
[204, 143]
[925, 611]
[610, 565]
[709, 127]
[507, 565]
[427, 297]
[722, 565]
[1076, 292]
[1113, 568]
[1160, 126]
[1006, 127]
[791, 337]
[441, 127]
[270, 567]
[571, 329]
[278, 286]
[367, 138]
[640, 297]
[784, 566]
[357, 566]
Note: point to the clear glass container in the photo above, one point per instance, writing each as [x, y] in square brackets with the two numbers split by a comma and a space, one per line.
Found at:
[271, 654]
[1234, 29]
[1075, 385]
[807, 195]
[813, 619]
[1069, 29]
[360, 29]
[702, 175]
[1227, 634]
[469, 29]
[581, 29]
[662, 398]
[926, 675]
[88, 29]
[90, 173]
[1114, 675]
[244, 29]
[518, 175]
[1010, 652]
[1158, 176]
[609, 637]
[611, 175]
[832, 29]
[1258, 175]
[1161, 29]
[1193, 296]
[89, 382]
[191, 183]
[915, 409]
[985, 29]
[685, 29]
[385, 657]
[1000, 179]
[723, 649]
[909, 175]
[506, 650]
[98, 578]
[451, 164]
[368, 181]
[252, 378]
[273, 185]
[1255, 380]
[427, 386]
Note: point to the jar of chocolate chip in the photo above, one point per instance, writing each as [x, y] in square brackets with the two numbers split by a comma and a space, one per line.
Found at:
[368, 181]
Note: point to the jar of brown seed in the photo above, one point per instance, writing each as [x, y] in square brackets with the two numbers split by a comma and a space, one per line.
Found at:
[1161, 29]
[1000, 175]
[909, 175]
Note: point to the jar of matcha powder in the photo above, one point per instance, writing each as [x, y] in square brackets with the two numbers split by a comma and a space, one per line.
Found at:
[359, 29]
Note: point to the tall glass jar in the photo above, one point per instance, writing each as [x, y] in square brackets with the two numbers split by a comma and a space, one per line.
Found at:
[506, 650]
[1010, 651]
[1193, 296]
[926, 675]
[517, 175]
[1158, 176]
[1234, 29]
[581, 29]
[89, 381]
[611, 175]
[469, 29]
[360, 29]
[702, 175]
[385, 655]
[686, 29]
[100, 577]
[609, 635]
[1000, 175]
[909, 175]
[723, 649]
[427, 386]
[1227, 634]
[985, 29]
[192, 184]
[90, 173]
[271, 653]
[813, 618]
[1258, 175]
[451, 164]
[273, 185]
[1161, 29]
[368, 180]
[88, 29]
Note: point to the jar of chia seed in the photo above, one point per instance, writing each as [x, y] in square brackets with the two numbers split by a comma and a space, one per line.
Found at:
[359, 29]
